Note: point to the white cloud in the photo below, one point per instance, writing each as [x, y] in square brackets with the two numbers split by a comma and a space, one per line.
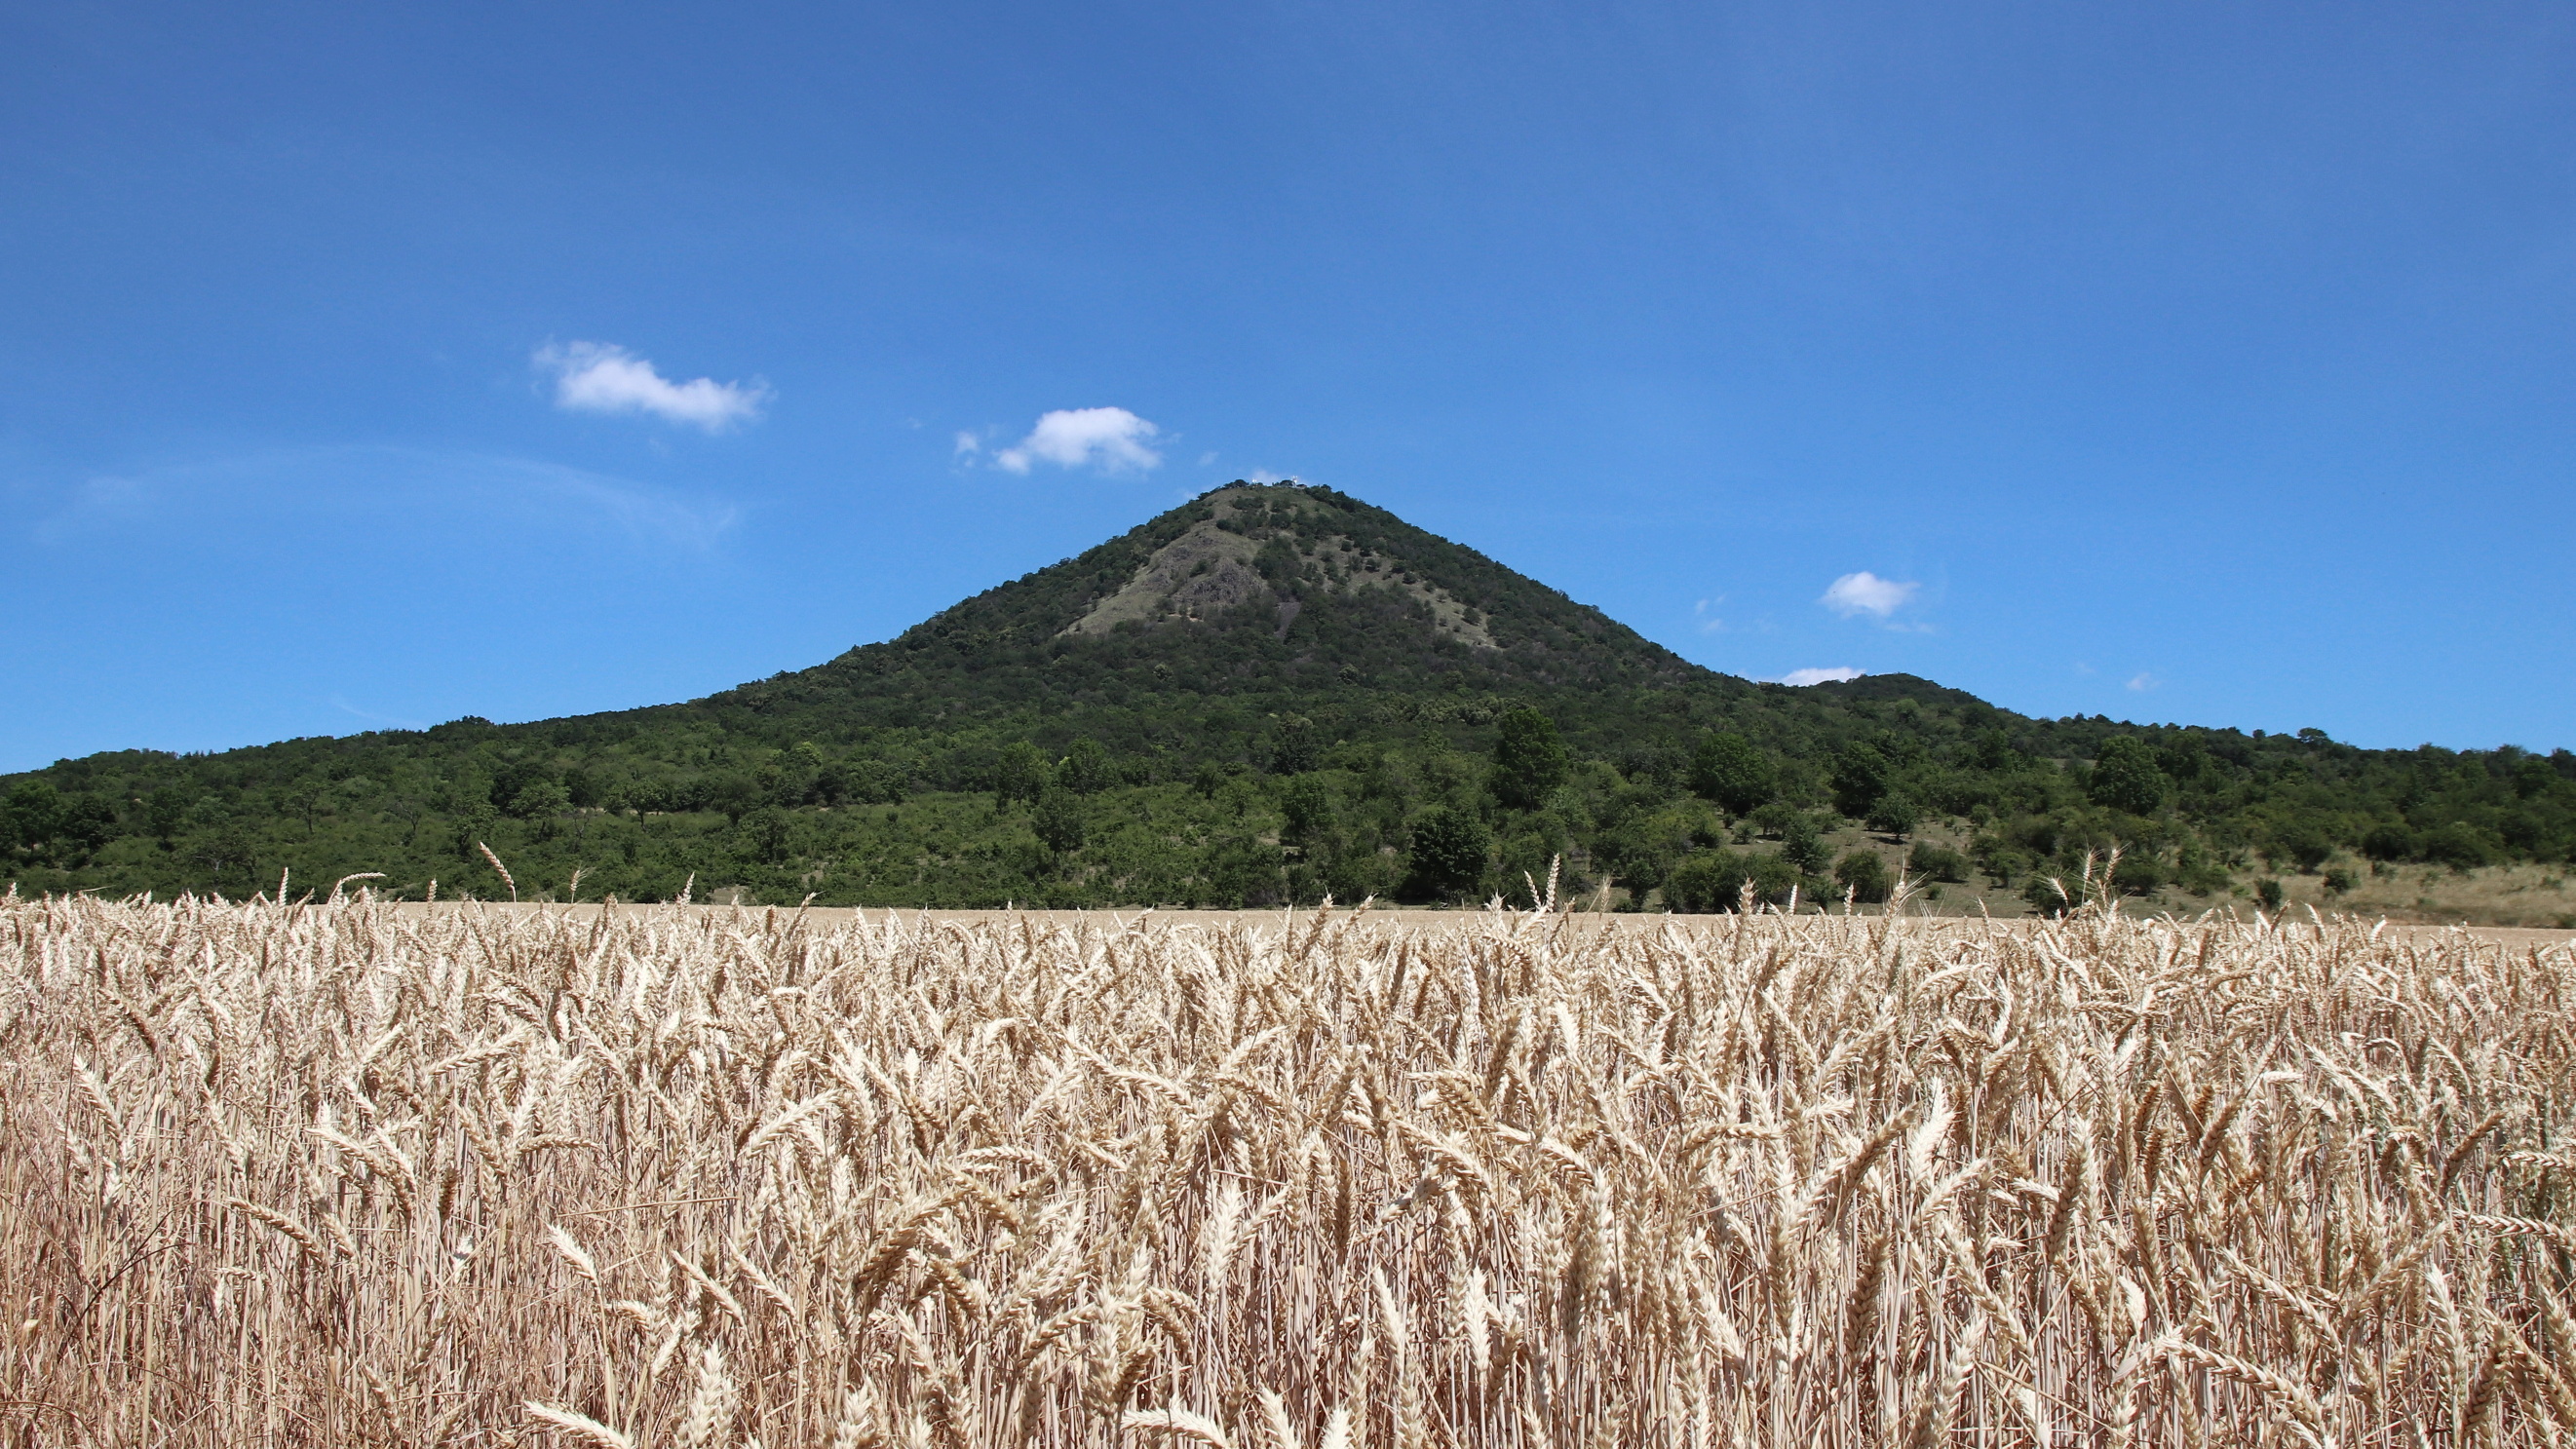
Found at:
[600, 377]
[968, 445]
[1207, 459]
[2143, 681]
[1804, 677]
[1110, 439]
[1867, 593]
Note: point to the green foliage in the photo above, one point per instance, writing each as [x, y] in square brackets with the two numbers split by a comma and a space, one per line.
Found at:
[1530, 759]
[1086, 769]
[1733, 771]
[1450, 851]
[1022, 773]
[1714, 880]
[1058, 820]
[1305, 808]
[2267, 893]
[1862, 873]
[1800, 845]
[902, 772]
[1861, 775]
[1894, 814]
[1295, 746]
[2126, 776]
[2300, 842]
[2054, 894]
[1936, 862]
[2137, 875]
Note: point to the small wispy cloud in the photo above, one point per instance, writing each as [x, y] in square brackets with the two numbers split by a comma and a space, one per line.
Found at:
[1208, 458]
[1804, 677]
[1709, 622]
[371, 717]
[1112, 440]
[539, 498]
[601, 377]
[2142, 681]
[1867, 593]
[968, 445]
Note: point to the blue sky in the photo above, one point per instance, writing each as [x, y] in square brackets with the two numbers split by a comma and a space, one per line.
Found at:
[375, 365]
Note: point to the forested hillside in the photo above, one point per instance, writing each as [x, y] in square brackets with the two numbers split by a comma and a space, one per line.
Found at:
[1273, 694]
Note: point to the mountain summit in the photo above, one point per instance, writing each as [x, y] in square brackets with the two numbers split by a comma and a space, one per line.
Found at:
[1251, 587]
[1278, 692]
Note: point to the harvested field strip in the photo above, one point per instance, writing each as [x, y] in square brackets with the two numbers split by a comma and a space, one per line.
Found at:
[332, 1174]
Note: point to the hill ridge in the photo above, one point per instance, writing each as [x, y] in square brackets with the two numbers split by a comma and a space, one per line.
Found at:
[1278, 691]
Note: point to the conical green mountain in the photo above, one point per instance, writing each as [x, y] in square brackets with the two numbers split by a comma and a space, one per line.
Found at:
[1248, 589]
[1274, 693]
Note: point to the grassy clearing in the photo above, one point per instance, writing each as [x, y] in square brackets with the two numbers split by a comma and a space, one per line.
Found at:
[335, 1173]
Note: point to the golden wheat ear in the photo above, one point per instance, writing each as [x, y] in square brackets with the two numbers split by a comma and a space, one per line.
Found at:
[504, 870]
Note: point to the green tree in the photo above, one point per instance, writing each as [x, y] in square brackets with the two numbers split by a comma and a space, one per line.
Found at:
[1861, 776]
[1799, 843]
[31, 817]
[1530, 760]
[1086, 769]
[1733, 771]
[733, 793]
[1451, 849]
[1021, 774]
[766, 831]
[2303, 843]
[1240, 872]
[1994, 751]
[1295, 747]
[1714, 880]
[2049, 893]
[1936, 862]
[1058, 820]
[2126, 776]
[163, 811]
[1863, 874]
[1706, 880]
[1306, 804]
[540, 799]
[1894, 814]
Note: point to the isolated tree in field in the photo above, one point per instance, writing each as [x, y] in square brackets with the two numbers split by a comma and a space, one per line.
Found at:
[1530, 761]
[1450, 850]
[1733, 771]
[1800, 845]
[1863, 874]
[1894, 814]
[2126, 777]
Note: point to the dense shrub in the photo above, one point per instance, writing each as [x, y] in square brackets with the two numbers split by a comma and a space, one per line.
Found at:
[1864, 874]
[1936, 862]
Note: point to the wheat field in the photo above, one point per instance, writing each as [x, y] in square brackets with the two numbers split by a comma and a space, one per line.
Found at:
[326, 1173]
